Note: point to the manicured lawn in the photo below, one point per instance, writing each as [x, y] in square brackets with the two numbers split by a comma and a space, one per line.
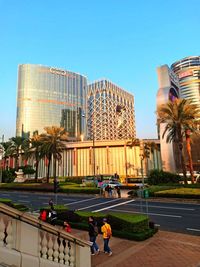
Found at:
[63, 187]
[180, 192]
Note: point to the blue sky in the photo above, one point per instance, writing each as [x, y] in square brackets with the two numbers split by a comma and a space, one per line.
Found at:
[122, 40]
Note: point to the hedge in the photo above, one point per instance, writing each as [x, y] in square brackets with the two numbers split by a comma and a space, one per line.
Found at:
[180, 193]
[18, 206]
[160, 177]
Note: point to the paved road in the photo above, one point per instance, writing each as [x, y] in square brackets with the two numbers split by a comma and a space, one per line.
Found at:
[176, 217]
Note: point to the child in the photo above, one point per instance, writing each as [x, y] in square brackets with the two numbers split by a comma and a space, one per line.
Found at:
[67, 227]
[43, 215]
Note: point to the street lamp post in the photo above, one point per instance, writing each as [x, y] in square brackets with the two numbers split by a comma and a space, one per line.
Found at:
[93, 146]
[141, 160]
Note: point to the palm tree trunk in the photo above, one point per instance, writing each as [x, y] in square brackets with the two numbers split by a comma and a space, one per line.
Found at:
[188, 147]
[182, 158]
[48, 168]
[36, 170]
[54, 168]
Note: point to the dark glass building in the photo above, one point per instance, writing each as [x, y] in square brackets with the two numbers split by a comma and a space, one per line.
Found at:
[49, 96]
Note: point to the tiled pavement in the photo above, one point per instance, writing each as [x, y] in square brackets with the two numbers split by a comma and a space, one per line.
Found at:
[165, 249]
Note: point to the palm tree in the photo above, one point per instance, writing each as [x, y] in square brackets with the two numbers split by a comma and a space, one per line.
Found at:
[181, 117]
[34, 150]
[17, 144]
[52, 146]
[5, 148]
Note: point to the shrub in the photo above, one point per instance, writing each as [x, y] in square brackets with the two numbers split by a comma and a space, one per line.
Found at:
[28, 169]
[77, 180]
[8, 176]
[160, 177]
[128, 222]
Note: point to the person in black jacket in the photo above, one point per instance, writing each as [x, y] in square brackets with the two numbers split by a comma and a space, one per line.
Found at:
[93, 232]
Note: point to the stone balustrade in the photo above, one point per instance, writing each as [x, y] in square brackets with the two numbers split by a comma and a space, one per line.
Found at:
[25, 241]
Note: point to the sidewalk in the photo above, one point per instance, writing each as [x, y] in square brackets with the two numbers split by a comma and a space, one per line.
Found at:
[165, 249]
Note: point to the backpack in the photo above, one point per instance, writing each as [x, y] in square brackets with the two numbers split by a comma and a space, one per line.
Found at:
[108, 232]
[96, 230]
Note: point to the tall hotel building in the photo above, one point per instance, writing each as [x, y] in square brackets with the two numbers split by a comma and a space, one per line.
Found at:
[188, 72]
[110, 112]
[49, 96]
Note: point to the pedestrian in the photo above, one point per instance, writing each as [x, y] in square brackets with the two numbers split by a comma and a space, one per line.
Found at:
[106, 190]
[110, 191]
[53, 216]
[51, 203]
[43, 215]
[93, 233]
[107, 233]
[67, 227]
[118, 191]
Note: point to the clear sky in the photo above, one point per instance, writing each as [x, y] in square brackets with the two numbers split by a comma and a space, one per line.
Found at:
[122, 40]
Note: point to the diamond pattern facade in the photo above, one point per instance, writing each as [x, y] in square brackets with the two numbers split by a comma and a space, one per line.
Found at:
[110, 112]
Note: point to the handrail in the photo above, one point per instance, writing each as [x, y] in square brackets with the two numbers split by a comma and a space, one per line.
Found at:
[35, 222]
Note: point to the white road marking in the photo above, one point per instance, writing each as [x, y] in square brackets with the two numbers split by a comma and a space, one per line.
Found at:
[157, 225]
[24, 201]
[23, 196]
[42, 197]
[119, 204]
[161, 207]
[5, 195]
[79, 201]
[192, 229]
[149, 213]
[66, 199]
[98, 204]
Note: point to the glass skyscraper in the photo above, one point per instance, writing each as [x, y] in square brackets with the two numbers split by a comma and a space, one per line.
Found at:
[188, 72]
[48, 96]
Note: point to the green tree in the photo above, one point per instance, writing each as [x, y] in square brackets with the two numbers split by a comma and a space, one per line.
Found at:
[5, 150]
[34, 151]
[17, 145]
[53, 146]
[180, 117]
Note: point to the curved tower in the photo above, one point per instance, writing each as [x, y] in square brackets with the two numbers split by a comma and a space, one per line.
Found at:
[49, 96]
[168, 91]
[188, 72]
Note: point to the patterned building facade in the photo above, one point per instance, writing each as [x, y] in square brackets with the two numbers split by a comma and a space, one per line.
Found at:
[49, 96]
[110, 112]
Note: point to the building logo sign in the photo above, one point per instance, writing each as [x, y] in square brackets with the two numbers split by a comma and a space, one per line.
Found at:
[57, 71]
[61, 72]
[185, 74]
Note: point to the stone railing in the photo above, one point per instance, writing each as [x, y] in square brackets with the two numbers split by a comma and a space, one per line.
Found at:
[25, 241]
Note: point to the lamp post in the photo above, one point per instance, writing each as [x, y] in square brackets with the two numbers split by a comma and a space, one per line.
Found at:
[141, 160]
[93, 146]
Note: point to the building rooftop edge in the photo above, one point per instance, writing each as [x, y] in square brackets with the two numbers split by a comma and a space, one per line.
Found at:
[58, 68]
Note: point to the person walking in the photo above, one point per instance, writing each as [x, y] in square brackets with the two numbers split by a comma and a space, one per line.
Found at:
[118, 191]
[107, 233]
[51, 203]
[93, 233]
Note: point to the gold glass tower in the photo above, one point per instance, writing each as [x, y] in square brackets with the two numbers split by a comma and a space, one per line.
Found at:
[49, 96]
